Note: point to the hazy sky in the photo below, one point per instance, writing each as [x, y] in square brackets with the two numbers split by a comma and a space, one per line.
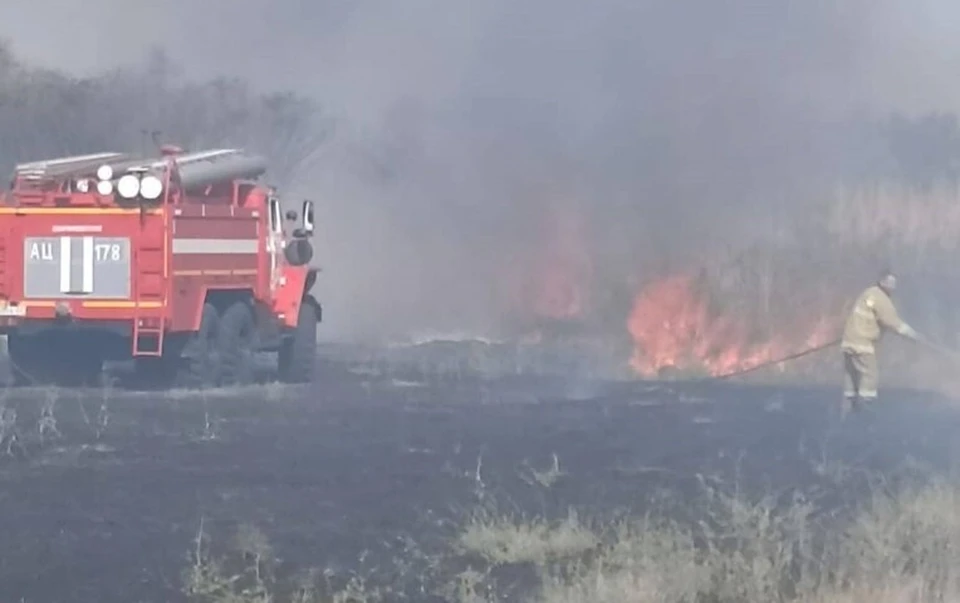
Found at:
[658, 121]
[351, 50]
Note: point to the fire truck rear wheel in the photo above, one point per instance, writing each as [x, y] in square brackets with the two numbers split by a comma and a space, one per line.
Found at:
[199, 363]
[236, 344]
[298, 353]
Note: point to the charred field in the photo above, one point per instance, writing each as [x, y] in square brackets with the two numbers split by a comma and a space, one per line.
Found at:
[447, 486]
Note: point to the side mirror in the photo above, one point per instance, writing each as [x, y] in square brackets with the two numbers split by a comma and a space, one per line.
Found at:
[308, 217]
[291, 215]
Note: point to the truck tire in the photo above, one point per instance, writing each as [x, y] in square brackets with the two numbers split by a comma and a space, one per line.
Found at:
[199, 362]
[297, 357]
[236, 344]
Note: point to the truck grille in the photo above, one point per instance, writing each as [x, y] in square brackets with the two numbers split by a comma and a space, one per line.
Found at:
[96, 267]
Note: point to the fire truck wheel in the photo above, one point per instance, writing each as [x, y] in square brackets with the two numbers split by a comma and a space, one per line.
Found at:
[199, 364]
[298, 352]
[235, 345]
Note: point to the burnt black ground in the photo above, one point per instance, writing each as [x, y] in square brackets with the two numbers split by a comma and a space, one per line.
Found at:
[364, 463]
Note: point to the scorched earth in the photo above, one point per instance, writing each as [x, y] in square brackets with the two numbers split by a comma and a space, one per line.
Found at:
[375, 478]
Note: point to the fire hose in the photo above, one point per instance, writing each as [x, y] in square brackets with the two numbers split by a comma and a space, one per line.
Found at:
[768, 363]
[813, 350]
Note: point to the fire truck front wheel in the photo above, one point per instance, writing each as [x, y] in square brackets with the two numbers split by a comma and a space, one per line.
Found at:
[298, 352]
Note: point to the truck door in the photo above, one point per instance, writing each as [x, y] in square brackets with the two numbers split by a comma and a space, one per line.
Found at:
[275, 241]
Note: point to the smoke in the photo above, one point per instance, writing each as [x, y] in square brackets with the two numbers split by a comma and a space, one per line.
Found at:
[668, 127]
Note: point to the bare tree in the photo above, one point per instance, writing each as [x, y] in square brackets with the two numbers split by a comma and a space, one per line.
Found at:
[46, 113]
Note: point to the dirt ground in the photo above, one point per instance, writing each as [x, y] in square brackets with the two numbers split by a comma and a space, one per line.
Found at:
[104, 491]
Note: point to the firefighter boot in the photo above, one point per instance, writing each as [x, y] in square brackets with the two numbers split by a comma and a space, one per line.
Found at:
[850, 405]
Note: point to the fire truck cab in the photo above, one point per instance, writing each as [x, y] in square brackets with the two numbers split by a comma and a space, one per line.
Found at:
[184, 263]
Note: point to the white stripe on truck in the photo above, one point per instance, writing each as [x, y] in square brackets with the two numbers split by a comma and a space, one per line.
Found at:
[65, 261]
[87, 278]
[195, 246]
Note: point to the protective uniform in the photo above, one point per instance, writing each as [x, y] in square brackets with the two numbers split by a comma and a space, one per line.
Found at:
[872, 314]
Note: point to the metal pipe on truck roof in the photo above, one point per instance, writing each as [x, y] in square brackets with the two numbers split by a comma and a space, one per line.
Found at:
[86, 168]
[185, 158]
[65, 162]
[197, 172]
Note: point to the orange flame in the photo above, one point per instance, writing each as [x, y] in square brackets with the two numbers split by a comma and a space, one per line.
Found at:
[673, 328]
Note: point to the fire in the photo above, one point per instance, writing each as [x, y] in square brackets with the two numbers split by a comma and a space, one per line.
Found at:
[553, 287]
[672, 327]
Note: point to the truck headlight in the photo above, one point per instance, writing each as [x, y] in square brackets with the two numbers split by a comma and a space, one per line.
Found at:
[105, 187]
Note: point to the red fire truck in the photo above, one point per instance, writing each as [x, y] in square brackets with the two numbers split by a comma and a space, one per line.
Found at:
[184, 262]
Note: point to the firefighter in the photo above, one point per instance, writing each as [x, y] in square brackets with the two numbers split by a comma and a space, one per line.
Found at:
[872, 314]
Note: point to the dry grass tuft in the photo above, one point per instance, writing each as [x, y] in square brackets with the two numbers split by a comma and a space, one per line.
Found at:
[647, 560]
[891, 213]
[506, 540]
[246, 574]
[913, 539]
[900, 547]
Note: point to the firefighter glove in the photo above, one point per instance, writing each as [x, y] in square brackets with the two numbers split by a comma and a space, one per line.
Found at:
[911, 333]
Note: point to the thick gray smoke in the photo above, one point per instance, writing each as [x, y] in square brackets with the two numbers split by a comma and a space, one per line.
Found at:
[666, 126]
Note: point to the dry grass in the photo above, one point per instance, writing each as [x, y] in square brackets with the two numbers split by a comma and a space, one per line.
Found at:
[781, 287]
[506, 540]
[894, 214]
[794, 279]
[900, 547]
